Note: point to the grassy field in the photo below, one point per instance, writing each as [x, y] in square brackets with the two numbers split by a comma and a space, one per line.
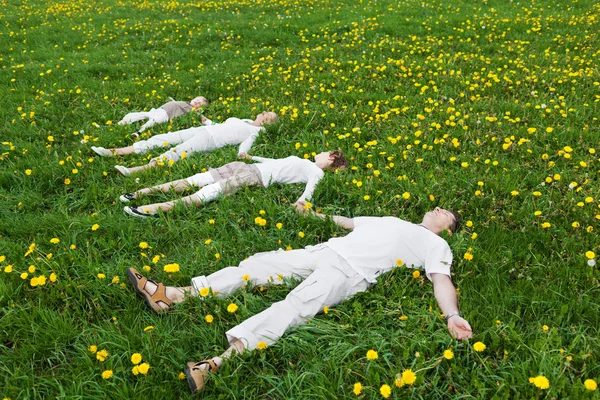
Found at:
[487, 107]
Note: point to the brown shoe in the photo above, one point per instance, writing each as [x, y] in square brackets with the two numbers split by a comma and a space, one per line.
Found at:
[152, 301]
[196, 375]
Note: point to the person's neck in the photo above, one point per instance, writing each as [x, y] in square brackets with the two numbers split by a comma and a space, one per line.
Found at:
[256, 123]
[429, 228]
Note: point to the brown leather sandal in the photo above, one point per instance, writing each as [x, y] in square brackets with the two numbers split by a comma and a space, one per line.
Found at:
[152, 301]
[196, 375]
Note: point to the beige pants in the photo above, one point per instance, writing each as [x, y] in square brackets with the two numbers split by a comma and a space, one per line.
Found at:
[329, 280]
[226, 180]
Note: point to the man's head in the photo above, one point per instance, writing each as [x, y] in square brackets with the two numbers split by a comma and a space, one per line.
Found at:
[199, 101]
[331, 159]
[266, 118]
[439, 220]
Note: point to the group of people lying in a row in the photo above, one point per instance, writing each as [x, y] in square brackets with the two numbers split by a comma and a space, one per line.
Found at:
[223, 180]
[332, 271]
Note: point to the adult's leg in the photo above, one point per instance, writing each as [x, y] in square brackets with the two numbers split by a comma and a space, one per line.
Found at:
[326, 286]
[259, 269]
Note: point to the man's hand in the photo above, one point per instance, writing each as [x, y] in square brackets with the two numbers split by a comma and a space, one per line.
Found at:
[459, 328]
[244, 155]
[204, 119]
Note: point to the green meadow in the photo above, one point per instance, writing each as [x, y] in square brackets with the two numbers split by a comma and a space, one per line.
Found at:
[487, 107]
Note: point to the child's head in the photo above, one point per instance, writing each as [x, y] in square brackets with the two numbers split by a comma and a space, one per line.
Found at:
[199, 102]
[331, 159]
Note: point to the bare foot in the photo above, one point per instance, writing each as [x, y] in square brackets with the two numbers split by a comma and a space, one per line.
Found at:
[176, 295]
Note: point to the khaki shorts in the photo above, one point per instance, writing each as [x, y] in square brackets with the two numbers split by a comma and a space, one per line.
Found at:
[235, 175]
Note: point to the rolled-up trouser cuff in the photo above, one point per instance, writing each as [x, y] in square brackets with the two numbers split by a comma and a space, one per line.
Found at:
[239, 332]
[200, 282]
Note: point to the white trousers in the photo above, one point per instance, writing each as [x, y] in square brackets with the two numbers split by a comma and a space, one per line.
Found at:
[328, 281]
[187, 141]
[154, 116]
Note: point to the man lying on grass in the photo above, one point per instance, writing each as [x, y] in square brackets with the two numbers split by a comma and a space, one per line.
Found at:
[164, 113]
[332, 271]
[193, 140]
[231, 177]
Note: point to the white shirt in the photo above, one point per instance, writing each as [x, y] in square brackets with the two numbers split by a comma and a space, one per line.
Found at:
[234, 131]
[377, 243]
[290, 170]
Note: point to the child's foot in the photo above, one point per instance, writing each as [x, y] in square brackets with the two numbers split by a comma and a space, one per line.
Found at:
[136, 212]
[122, 170]
[127, 197]
[101, 151]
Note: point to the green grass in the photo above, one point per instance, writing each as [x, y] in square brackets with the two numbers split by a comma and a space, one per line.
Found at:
[424, 93]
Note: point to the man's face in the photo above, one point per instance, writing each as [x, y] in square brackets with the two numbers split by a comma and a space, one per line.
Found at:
[439, 218]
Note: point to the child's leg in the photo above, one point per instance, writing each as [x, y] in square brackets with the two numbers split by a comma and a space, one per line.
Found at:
[134, 117]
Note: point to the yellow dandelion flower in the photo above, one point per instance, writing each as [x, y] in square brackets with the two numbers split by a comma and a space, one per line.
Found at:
[372, 355]
[93, 349]
[261, 345]
[448, 354]
[357, 389]
[148, 328]
[590, 384]
[143, 368]
[326, 310]
[479, 347]
[95, 227]
[385, 391]
[409, 377]
[136, 358]
[209, 318]
[101, 355]
[416, 274]
[541, 382]
[204, 292]
[174, 267]
[135, 370]
[107, 374]
[232, 308]
[55, 240]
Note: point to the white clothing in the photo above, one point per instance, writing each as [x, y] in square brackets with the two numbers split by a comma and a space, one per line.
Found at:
[377, 243]
[202, 139]
[154, 116]
[329, 281]
[234, 131]
[290, 170]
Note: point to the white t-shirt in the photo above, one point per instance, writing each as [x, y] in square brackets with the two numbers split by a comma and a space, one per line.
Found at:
[234, 131]
[377, 243]
[290, 170]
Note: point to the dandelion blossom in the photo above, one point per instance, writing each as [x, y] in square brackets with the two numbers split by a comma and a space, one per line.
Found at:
[372, 355]
[385, 391]
[232, 308]
[590, 384]
[448, 354]
[261, 345]
[357, 388]
[143, 368]
[541, 382]
[107, 374]
[136, 358]
[479, 347]
[409, 377]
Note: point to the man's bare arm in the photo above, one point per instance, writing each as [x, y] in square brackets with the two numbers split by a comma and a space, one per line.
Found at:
[445, 294]
[343, 222]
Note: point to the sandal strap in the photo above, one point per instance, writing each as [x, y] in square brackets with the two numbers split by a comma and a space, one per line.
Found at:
[161, 295]
[212, 367]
